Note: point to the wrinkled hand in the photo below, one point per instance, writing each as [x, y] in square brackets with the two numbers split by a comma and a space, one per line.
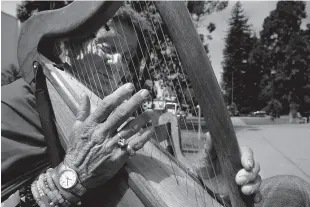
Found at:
[208, 168]
[94, 152]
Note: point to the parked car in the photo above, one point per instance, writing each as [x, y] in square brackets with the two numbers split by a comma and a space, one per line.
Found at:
[259, 113]
[181, 114]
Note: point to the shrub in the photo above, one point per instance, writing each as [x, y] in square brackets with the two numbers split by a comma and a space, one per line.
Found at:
[10, 75]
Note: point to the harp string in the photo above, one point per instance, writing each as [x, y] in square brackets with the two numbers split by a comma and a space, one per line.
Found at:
[67, 58]
[192, 102]
[84, 55]
[74, 58]
[78, 76]
[134, 66]
[94, 50]
[144, 57]
[65, 50]
[87, 48]
[125, 59]
[191, 99]
[180, 86]
[150, 77]
[167, 67]
[148, 71]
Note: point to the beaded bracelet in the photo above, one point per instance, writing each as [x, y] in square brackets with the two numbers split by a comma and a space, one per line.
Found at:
[53, 191]
[46, 193]
[38, 194]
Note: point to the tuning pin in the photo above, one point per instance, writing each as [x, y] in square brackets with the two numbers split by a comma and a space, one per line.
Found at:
[35, 64]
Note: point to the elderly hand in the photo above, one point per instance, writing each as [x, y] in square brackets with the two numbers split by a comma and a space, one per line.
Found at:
[95, 153]
[208, 168]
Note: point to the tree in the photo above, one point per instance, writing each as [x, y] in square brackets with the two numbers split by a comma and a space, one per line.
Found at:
[238, 78]
[161, 61]
[282, 49]
[10, 74]
[27, 8]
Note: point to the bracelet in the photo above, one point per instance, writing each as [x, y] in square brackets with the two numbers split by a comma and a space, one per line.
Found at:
[38, 194]
[46, 193]
[54, 193]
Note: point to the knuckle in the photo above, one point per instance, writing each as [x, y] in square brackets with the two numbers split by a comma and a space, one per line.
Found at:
[104, 105]
[120, 112]
[138, 100]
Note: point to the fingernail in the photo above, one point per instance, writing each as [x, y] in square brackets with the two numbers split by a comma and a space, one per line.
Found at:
[129, 86]
[145, 93]
[250, 163]
[243, 179]
[251, 190]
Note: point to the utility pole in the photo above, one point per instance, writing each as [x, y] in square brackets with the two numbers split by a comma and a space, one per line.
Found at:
[232, 88]
[273, 114]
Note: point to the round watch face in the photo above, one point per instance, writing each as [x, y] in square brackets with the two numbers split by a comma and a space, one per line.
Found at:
[67, 179]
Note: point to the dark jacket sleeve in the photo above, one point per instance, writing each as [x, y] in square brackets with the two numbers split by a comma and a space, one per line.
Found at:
[23, 148]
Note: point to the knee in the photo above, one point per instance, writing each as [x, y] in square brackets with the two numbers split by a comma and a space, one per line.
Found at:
[286, 189]
[290, 182]
[290, 179]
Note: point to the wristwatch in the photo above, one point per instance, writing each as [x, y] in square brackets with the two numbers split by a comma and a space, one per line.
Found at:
[68, 181]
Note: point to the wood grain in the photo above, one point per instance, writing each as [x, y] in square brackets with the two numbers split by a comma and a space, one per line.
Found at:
[154, 176]
[195, 61]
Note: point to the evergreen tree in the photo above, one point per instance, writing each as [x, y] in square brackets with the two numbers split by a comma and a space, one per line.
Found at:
[281, 49]
[237, 76]
[27, 8]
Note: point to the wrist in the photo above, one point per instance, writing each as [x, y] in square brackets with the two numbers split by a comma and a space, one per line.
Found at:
[46, 193]
[68, 183]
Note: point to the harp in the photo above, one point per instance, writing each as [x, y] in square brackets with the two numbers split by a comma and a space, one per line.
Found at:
[153, 177]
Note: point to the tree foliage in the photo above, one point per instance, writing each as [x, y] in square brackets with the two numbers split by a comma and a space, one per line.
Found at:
[10, 74]
[239, 79]
[283, 48]
[162, 62]
[27, 8]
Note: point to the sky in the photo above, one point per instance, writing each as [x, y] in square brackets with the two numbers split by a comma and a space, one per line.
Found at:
[255, 10]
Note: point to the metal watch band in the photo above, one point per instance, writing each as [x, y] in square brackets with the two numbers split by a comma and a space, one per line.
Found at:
[78, 189]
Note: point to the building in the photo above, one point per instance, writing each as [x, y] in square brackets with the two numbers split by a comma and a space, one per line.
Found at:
[9, 39]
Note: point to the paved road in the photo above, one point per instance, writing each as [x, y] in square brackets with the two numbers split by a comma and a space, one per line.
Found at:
[280, 148]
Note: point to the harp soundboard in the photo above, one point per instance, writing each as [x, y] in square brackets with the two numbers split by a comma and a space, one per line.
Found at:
[153, 177]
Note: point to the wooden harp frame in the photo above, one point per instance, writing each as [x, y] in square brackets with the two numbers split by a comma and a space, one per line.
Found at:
[68, 22]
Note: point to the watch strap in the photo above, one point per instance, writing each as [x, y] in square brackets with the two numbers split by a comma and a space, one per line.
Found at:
[73, 194]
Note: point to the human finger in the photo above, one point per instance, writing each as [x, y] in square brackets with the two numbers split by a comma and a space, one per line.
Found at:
[109, 103]
[252, 187]
[125, 110]
[243, 176]
[134, 126]
[138, 141]
[247, 158]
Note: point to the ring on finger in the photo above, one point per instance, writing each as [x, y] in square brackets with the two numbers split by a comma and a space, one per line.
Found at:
[121, 142]
[130, 150]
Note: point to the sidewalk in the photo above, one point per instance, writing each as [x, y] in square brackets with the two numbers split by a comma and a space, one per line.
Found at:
[280, 149]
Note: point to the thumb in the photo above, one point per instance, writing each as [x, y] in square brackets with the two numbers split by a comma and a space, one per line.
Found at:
[205, 164]
[209, 151]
